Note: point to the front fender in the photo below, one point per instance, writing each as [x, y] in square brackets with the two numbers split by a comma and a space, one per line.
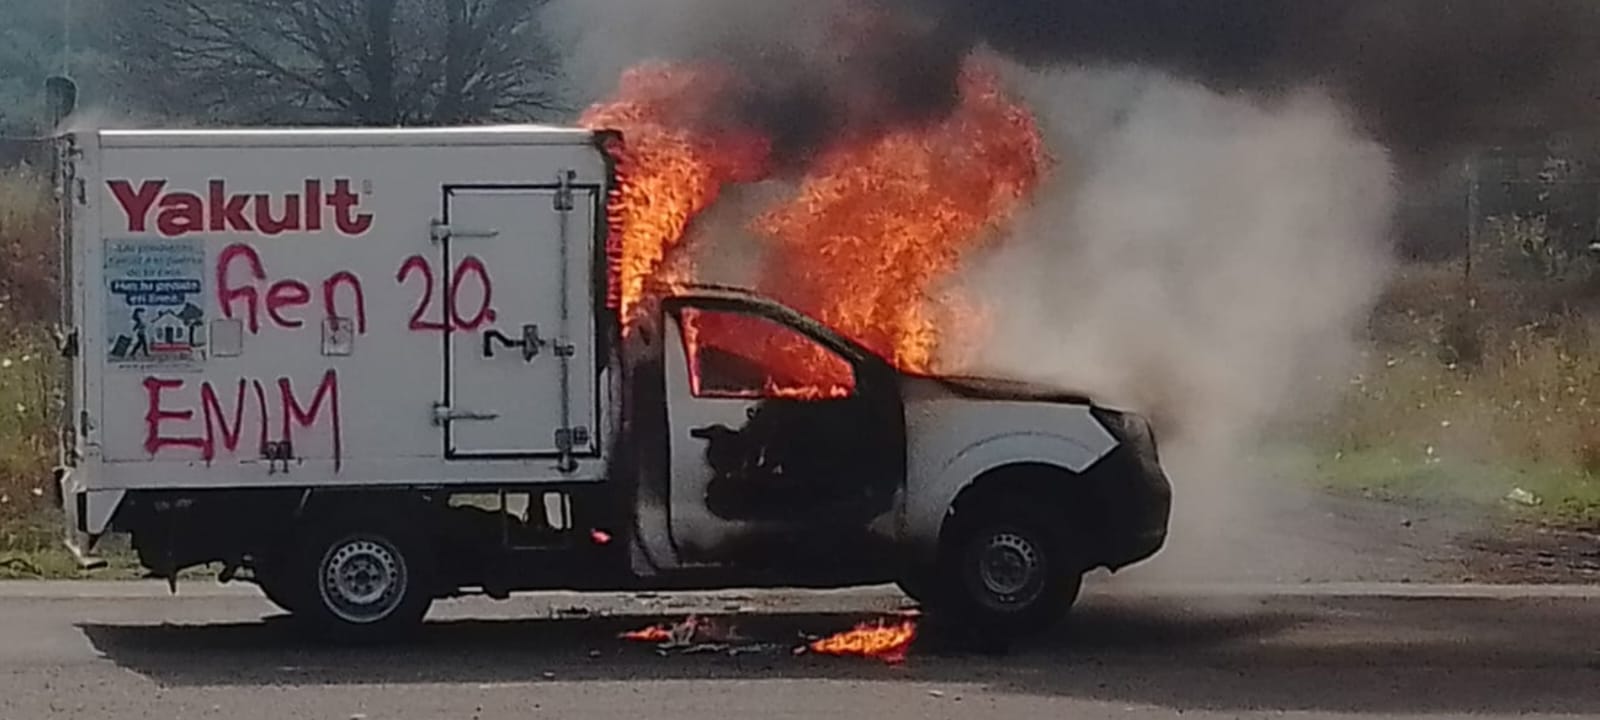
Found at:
[937, 485]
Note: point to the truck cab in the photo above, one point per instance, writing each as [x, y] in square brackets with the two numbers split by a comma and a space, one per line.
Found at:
[358, 467]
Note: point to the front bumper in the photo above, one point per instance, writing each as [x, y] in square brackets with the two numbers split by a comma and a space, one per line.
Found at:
[1134, 492]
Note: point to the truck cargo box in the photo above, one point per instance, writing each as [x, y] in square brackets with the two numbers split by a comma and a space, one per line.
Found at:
[350, 307]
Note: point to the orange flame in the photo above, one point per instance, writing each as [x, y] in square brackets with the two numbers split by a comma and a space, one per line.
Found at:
[878, 225]
[666, 173]
[885, 641]
[875, 230]
[656, 634]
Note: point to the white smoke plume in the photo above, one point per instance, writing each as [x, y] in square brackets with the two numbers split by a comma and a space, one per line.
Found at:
[1204, 259]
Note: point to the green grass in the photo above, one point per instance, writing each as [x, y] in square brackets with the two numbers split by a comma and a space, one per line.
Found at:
[30, 548]
[1562, 495]
[29, 533]
[1471, 393]
[28, 380]
[29, 251]
[30, 528]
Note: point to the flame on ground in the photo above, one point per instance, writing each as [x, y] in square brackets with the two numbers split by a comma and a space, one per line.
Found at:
[654, 634]
[883, 640]
[692, 630]
[877, 225]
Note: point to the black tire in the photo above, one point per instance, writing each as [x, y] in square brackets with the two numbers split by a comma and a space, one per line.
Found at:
[1007, 568]
[360, 580]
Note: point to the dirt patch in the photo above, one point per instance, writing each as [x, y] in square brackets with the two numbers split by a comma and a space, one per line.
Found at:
[1523, 552]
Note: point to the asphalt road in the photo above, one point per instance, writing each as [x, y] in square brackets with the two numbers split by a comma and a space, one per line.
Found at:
[128, 651]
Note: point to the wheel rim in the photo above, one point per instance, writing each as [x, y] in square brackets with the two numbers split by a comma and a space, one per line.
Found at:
[1010, 570]
[362, 579]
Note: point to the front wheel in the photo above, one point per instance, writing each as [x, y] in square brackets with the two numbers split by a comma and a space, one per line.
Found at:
[1007, 568]
[362, 581]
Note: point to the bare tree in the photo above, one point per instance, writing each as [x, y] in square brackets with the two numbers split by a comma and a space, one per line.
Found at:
[371, 62]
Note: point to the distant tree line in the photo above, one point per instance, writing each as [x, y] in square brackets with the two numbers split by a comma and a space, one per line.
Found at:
[282, 62]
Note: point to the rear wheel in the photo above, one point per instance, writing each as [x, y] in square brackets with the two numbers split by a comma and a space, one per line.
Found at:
[361, 581]
[1007, 568]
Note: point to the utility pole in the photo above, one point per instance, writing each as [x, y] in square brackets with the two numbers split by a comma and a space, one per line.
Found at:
[60, 89]
[66, 38]
[1473, 210]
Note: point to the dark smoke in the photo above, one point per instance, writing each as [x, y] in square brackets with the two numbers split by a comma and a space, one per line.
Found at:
[1423, 76]
[820, 70]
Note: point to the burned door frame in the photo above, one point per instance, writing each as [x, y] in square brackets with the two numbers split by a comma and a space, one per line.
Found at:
[877, 388]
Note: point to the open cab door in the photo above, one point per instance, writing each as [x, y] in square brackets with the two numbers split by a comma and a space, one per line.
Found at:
[785, 444]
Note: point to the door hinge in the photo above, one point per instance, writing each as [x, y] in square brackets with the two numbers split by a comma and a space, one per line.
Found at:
[441, 231]
[569, 438]
[67, 342]
[564, 202]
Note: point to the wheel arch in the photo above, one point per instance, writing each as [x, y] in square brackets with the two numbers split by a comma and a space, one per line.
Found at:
[1053, 465]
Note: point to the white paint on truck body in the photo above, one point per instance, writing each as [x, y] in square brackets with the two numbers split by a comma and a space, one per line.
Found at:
[952, 441]
[333, 290]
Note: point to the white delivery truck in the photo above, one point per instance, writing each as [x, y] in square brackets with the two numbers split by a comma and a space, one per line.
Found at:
[366, 369]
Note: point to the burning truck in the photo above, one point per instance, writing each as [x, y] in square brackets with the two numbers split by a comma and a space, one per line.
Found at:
[365, 369]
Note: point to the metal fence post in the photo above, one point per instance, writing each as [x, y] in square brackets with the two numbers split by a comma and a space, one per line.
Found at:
[1473, 179]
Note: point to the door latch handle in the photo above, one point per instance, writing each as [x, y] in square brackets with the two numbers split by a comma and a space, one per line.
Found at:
[530, 343]
[443, 415]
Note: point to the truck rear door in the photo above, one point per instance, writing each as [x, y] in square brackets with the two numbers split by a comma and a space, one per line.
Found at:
[520, 378]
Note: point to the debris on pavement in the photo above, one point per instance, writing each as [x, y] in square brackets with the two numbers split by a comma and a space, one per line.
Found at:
[1524, 497]
[884, 639]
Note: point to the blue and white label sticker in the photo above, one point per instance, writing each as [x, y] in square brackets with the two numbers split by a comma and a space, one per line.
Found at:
[155, 303]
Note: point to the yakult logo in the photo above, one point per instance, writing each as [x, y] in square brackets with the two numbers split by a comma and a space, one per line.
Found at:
[175, 213]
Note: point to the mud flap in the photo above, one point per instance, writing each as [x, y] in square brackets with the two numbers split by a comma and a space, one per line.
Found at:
[82, 513]
[78, 542]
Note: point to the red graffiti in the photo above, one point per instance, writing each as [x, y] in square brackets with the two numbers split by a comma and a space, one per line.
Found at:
[327, 391]
[242, 280]
[217, 420]
[224, 427]
[451, 315]
[284, 295]
[418, 264]
[156, 415]
[179, 212]
[330, 292]
[484, 314]
[227, 293]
